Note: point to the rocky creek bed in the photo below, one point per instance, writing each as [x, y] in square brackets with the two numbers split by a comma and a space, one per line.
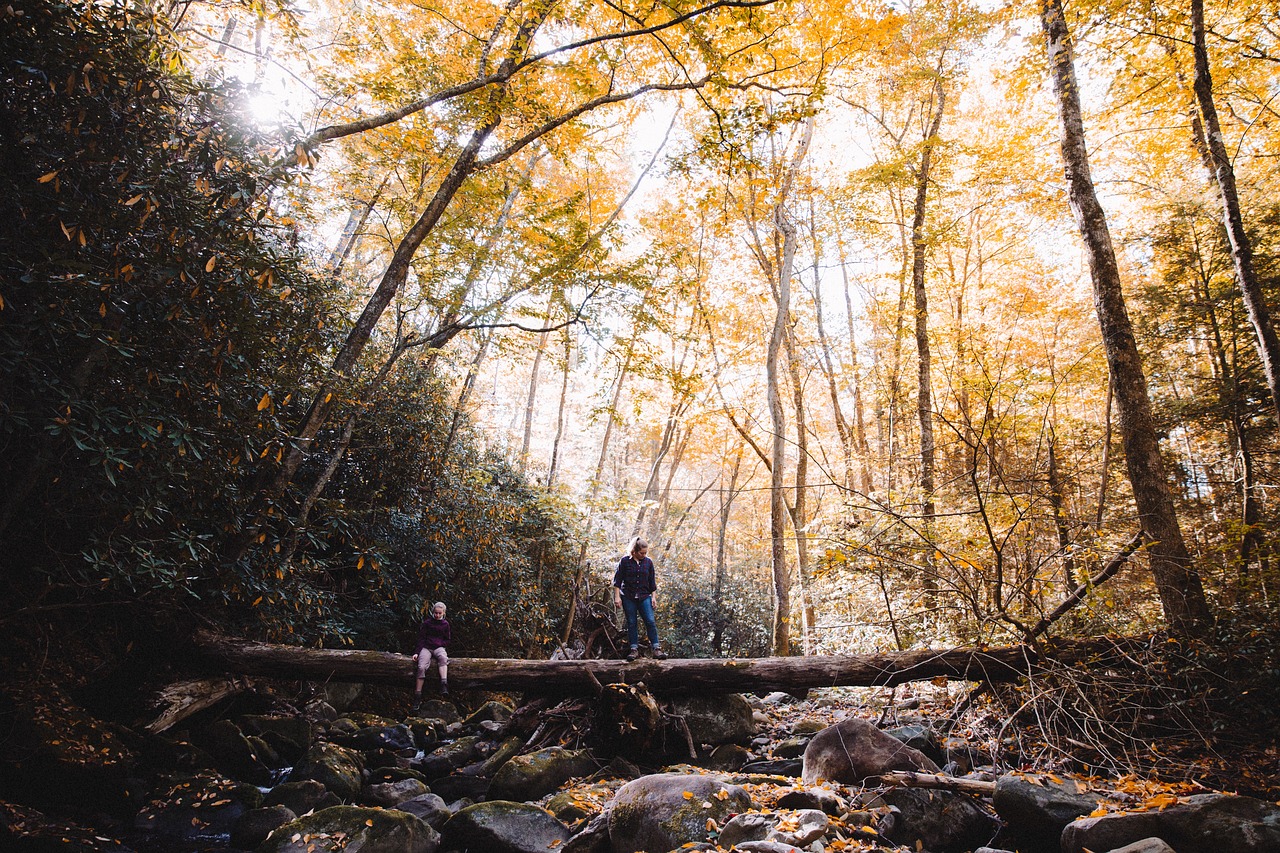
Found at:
[770, 774]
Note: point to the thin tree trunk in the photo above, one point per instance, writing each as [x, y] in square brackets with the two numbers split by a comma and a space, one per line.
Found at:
[859, 424]
[1057, 501]
[1181, 594]
[924, 399]
[778, 451]
[722, 557]
[564, 394]
[532, 397]
[800, 508]
[1241, 247]
[828, 366]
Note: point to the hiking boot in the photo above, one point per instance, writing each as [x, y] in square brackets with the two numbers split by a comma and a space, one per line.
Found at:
[444, 689]
[633, 654]
[417, 706]
[659, 654]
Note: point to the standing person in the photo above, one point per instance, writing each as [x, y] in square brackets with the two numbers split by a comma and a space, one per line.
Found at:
[434, 635]
[634, 585]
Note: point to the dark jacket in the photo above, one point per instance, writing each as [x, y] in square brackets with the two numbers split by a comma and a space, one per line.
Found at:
[433, 634]
[635, 579]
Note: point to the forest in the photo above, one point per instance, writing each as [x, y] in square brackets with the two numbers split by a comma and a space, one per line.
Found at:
[907, 333]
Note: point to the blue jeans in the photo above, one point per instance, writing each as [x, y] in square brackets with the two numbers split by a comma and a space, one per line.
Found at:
[634, 608]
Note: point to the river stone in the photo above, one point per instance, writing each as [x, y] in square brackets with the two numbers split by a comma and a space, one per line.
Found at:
[854, 749]
[1037, 812]
[396, 738]
[300, 797]
[533, 776]
[592, 838]
[289, 736]
[448, 757]
[352, 828]
[489, 712]
[429, 808]
[938, 821]
[580, 803]
[767, 847]
[792, 747]
[506, 751]
[339, 769]
[821, 799]
[728, 756]
[232, 753]
[255, 825]
[654, 815]
[388, 795]
[439, 709]
[1204, 823]
[500, 826]
[200, 810]
[457, 786]
[808, 726]
[745, 827]
[804, 828]
[340, 694]
[1146, 845]
[775, 767]
[716, 719]
[921, 738]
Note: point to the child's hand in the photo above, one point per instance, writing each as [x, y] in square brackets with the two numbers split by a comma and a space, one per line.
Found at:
[415, 655]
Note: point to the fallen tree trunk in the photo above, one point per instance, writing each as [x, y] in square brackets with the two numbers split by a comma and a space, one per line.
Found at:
[223, 654]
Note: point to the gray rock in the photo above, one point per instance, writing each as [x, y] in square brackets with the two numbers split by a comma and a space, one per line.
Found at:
[440, 709]
[339, 769]
[809, 826]
[1037, 812]
[921, 738]
[353, 828]
[854, 749]
[938, 821]
[767, 847]
[426, 733]
[728, 756]
[255, 825]
[340, 694]
[746, 827]
[792, 747]
[457, 786]
[775, 767]
[388, 795]
[320, 711]
[653, 815]
[506, 751]
[448, 757]
[428, 808]
[716, 719]
[592, 838]
[398, 739]
[808, 726]
[1146, 845]
[825, 801]
[779, 698]
[289, 736]
[580, 803]
[533, 776]
[500, 826]
[301, 797]
[1204, 823]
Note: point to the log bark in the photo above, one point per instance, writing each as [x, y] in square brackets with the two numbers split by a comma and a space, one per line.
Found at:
[218, 654]
[939, 782]
[178, 701]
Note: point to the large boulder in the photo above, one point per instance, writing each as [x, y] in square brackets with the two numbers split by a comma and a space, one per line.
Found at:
[352, 828]
[658, 813]
[854, 749]
[795, 829]
[430, 808]
[397, 738]
[339, 769]
[489, 712]
[938, 821]
[288, 735]
[500, 826]
[388, 795]
[255, 825]
[580, 803]
[533, 776]
[306, 795]
[1036, 810]
[198, 811]
[1204, 823]
[716, 719]
[233, 754]
[449, 757]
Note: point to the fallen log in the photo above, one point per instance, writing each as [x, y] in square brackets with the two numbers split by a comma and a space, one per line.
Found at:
[219, 654]
[178, 701]
[939, 782]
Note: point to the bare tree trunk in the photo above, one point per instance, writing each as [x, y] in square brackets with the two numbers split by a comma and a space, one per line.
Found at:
[564, 393]
[800, 507]
[532, 397]
[1241, 248]
[859, 424]
[1185, 608]
[778, 451]
[1057, 501]
[924, 400]
[722, 561]
[828, 366]
[459, 411]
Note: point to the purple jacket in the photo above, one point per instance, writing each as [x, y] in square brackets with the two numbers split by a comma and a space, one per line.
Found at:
[433, 634]
[635, 577]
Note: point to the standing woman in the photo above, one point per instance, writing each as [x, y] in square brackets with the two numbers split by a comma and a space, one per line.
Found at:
[634, 585]
[434, 635]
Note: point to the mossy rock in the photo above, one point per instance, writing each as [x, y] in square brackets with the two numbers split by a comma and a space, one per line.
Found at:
[658, 813]
[353, 828]
[500, 826]
[533, 776]
[339, 769]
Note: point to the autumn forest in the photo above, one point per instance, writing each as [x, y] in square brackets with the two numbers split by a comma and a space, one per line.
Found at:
[889, 325]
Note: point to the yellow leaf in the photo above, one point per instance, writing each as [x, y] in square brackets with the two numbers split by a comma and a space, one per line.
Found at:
[212, 262]
[369, 822]
[48, 176]
[265, 401]
[131, 202]
[688, 795]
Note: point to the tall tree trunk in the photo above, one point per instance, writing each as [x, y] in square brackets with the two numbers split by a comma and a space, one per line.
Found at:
[1057, 501]
[1181, 593]
[722, 554]
[777, 417]
[1241, 248]
[800, 512]
[532, 397]
[828, 366]
[859, 423]
[924, 399]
